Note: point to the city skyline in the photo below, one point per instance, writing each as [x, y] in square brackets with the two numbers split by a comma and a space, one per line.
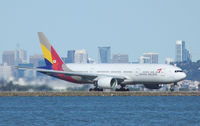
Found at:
[129, 27]
[135, 59]
[19, 56]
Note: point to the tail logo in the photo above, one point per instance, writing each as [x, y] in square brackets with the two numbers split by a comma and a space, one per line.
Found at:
[54, 61]
[159, 70]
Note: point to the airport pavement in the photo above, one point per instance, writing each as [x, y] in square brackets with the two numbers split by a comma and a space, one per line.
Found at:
[100, 93]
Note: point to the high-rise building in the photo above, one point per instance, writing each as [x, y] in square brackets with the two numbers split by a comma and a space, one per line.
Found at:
[151, 58]
[182, 54]
[34, 59]
[144, 60]
[81, 56]
[180, 51]
[70, 56]
[14, 57]
[64, 59]
[104, 55]
[8, 57]
[120, 58]
[188, 55]
[20, 56]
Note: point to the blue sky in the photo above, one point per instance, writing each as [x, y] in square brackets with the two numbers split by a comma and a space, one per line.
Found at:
[128, 26]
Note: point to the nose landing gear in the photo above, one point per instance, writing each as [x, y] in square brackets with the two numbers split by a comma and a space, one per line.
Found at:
[172, 87]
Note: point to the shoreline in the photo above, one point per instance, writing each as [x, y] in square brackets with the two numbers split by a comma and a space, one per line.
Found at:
[196, 93]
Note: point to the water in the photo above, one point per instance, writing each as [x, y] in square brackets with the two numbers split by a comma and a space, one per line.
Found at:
[100, 111]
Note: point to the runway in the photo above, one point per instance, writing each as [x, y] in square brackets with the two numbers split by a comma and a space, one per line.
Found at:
[100, 93]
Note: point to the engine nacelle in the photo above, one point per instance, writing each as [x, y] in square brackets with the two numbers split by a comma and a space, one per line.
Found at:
[107, 82]
[152, 86]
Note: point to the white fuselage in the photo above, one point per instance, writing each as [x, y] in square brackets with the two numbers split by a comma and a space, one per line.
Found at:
[134, 73]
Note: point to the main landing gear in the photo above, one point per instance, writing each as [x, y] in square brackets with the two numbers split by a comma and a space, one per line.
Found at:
[96, 88]
[122, 88]
[172, 87]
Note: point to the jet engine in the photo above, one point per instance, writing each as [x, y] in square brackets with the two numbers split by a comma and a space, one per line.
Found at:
[152, 86]
[107, 82]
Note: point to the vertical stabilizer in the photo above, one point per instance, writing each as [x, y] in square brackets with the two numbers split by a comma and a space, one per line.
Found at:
[52, 59]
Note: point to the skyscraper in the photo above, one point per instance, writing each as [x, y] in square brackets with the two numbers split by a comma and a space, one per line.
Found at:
[144, 60]
[151, 58]
[20, 56]
[81, 56]
[120, 58]
[182, 54]
[14, 57]
[104, 55]
[180, 51]
[70, 56]
[8, 57]
[188, 55]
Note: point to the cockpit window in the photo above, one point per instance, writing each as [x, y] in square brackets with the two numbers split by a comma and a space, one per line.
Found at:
[178, 71]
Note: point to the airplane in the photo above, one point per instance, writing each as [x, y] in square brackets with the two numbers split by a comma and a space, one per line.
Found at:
[107, 76]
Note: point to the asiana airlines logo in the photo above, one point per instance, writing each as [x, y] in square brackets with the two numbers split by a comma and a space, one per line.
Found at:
[159, 70]
[54, 61]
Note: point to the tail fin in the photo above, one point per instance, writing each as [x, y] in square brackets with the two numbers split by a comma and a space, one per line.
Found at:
[52, 60]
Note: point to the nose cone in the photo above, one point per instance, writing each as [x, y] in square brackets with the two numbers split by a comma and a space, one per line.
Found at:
[183, 76]
[180, 76]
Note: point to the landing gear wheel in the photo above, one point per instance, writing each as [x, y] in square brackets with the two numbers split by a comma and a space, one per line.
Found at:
[100, 89]
[172, 88]
[122, 88]
[95, 89]
[91, 89]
